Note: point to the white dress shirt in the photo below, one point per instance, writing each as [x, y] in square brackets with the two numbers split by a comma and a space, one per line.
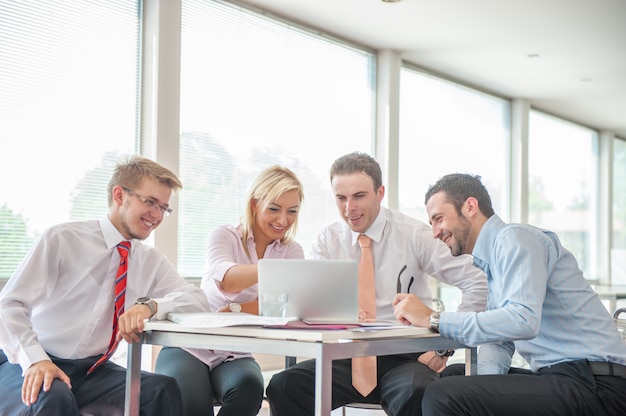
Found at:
[398, 241]
[60, 300]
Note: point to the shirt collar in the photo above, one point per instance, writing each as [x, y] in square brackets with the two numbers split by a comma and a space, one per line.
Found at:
[112, 237]
[375, 232]
[483, 248]
[277, 244]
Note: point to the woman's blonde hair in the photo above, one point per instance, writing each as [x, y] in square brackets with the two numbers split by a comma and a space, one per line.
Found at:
[267, 188]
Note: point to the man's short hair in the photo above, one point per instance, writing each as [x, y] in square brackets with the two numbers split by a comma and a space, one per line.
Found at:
[357, 162]
[130, 172]
[460, 186]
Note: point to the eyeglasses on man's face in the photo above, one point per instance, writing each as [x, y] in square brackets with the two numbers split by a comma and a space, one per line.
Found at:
[150, 203]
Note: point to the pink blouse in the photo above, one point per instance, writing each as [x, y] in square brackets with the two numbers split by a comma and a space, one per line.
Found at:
[225, 250]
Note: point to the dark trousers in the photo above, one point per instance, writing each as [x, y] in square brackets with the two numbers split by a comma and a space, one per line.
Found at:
[561, 390]
[238, 385]
[401, 383]
[160, 395]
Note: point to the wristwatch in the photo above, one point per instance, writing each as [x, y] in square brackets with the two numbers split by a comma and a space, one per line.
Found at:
[149, 302]
[234, 307]
[434, 321]
[444, 353]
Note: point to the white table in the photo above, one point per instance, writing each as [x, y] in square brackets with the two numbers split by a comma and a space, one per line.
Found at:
[323, 345]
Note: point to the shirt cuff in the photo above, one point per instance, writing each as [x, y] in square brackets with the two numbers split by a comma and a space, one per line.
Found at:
[164, 306]
[451, 325]
[31, 355]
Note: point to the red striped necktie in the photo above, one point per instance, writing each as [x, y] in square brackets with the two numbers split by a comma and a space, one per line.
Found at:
[120, 297]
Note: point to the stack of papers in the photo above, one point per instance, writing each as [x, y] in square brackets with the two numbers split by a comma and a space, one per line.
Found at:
[220, 319]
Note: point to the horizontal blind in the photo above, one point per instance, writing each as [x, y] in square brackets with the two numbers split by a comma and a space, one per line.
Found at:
[68, 111]
[257, 91]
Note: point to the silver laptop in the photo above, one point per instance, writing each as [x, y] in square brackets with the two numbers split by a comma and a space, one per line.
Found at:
[318, 291]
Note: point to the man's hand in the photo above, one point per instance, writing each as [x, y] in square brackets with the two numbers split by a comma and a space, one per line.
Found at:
[131, 323]
[364, 316]
[38, 374]
[436, 362]
[410, 310]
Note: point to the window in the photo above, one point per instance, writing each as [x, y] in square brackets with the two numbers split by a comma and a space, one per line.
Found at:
[447, 128]
[257, 92]
[562, 177]
[68, 111]
[618, 253]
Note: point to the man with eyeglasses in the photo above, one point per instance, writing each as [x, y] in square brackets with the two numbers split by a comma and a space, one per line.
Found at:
[404, 255]
[58, 311]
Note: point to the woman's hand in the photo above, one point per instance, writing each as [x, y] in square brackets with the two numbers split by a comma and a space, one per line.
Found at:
[246, 307]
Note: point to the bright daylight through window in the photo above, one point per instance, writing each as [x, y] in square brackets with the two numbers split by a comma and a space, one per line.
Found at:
[444, 128]
[618, 253]
[257, 92]
[562, 190]
[68, 111]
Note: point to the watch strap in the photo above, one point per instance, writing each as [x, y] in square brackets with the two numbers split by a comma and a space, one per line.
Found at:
[434, 321]
[150, 303]
[444, 353]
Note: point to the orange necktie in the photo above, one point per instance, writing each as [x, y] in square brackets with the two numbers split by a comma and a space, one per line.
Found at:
[120, 296]
[364, 368]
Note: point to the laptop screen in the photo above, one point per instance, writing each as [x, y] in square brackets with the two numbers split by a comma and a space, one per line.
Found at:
[317, 290]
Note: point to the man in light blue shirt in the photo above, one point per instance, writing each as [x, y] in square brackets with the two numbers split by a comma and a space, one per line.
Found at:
[539, 304]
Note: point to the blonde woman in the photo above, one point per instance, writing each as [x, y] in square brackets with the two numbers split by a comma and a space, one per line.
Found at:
[266, 230]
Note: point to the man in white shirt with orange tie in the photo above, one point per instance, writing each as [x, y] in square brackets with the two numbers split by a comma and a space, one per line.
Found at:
[404, 256]
[57, 309]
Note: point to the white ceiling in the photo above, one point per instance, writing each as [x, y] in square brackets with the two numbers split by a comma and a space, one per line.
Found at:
[579, 74]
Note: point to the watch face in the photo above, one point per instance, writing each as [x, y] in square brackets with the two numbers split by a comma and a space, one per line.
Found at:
[235, 307]
[143, 299]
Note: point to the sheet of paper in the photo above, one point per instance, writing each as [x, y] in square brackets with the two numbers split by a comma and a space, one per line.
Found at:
[222, 319]
[303, 325]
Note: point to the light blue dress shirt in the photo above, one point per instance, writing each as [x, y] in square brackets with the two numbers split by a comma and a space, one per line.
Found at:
[539, 303]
